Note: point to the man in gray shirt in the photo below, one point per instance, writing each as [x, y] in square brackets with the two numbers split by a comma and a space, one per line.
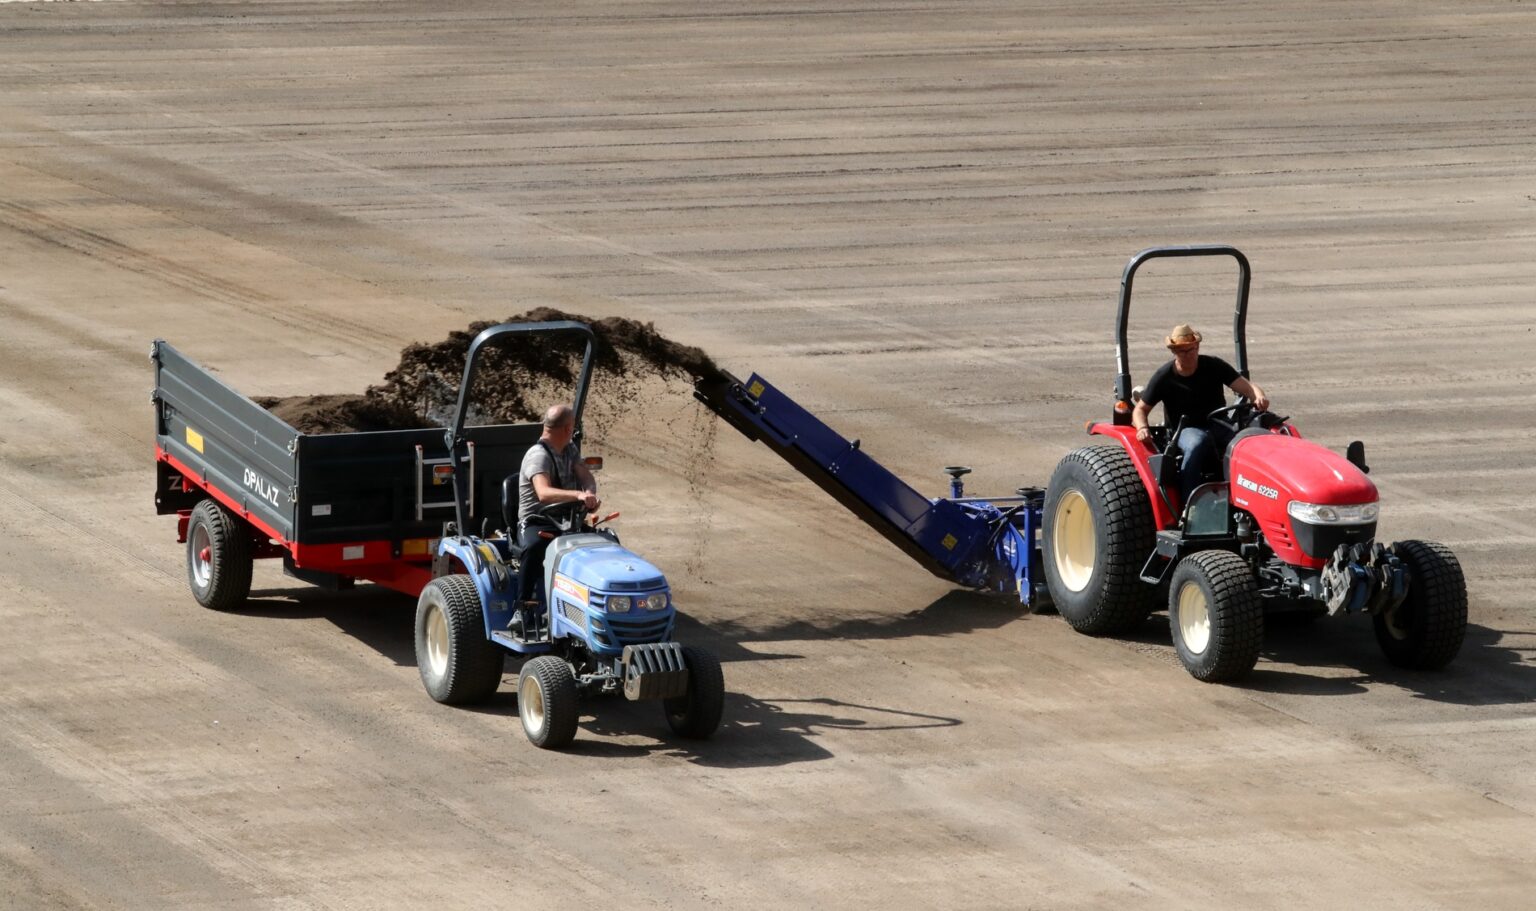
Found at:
[552, 483]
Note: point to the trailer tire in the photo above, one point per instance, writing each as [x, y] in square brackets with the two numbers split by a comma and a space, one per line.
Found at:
[547, 702]
[218, 557]
[1426, 631]
[1215, 615]
[696, 713]
[1097, 533]
[458, 665]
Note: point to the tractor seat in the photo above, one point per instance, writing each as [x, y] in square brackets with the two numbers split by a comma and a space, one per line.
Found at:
[509, 504]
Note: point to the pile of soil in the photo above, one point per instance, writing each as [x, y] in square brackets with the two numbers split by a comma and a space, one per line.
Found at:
[517, 378]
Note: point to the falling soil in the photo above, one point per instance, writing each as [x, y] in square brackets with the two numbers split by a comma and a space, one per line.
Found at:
[517, 378]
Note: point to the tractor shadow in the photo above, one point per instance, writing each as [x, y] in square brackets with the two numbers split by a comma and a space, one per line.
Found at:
[754, 732]
[957, 612]
[1484, 673]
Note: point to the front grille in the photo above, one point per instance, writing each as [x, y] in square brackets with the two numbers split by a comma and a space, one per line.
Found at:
[638, 630]
[574, 614]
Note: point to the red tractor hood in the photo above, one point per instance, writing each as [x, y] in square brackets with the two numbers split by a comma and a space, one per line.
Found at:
[1280, 468]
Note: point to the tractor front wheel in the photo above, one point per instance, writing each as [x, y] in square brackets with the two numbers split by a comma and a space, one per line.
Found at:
[547, 702]
[1216, 616]
[696, 714]
[1098, 533]
[458, 665]
[218, 557]
[1425, 631]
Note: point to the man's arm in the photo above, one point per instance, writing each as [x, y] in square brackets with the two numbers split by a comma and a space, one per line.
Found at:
[548, 493]
[1139, 417]
[584, 477]
[1250, 390]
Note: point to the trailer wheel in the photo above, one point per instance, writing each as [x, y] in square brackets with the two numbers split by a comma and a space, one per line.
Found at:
[547, 702]
[1097, 535]
[1216, 615]
[1425, 631]
[218, 557]
[696, 714]
[458, 664]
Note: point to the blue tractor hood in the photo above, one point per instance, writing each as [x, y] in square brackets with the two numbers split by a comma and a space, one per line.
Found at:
[604, 566]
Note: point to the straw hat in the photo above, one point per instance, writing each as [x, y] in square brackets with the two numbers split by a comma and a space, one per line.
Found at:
[1182, 336]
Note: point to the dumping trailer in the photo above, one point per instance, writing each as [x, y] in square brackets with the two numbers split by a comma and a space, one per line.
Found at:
[334, 508]
[985, 543]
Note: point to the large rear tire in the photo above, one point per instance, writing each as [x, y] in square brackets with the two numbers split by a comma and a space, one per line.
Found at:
[1215, 615]
[1426, 631]
[696, 714]
[547, 702]
[218, 557]
[458, 665]
[1098, 533]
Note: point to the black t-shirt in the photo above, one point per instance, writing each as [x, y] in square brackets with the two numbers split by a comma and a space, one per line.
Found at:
[1193, 396]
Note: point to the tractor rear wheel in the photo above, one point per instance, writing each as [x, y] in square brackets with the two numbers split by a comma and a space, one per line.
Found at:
[1215, 615]
[218, 557]
[1426, 630]
[1098, 533]
[458, 665]
[696, 714]
[547, 702]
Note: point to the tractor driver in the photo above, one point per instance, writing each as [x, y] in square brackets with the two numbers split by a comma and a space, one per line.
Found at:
[1190, 387]
[552, 481]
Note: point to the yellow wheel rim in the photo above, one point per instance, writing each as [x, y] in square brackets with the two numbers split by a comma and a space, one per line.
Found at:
[530, 702]
[1194, 618]
[437, 641]
[1074, 541]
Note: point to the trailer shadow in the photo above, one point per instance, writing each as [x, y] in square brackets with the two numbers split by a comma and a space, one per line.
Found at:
[372, 614]
[755, 732]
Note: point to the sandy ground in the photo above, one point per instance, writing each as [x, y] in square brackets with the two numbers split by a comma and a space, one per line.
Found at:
[914, 218]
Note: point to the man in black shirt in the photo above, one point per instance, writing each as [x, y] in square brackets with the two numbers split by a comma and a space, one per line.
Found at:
[1191, 386]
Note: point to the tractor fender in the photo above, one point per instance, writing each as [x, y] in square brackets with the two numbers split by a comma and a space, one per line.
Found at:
[494, 581]
[1141, 454]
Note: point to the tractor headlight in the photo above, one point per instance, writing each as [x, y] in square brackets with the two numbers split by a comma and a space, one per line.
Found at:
[618, 604]
[1317, 514]
[654, 601]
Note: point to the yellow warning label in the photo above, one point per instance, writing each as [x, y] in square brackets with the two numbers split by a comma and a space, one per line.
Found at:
[756, 389]
[949, 542]
[194, 439]
[414, 547]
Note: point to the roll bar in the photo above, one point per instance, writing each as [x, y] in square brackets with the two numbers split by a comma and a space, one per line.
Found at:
[455, 435]
[1239, 316]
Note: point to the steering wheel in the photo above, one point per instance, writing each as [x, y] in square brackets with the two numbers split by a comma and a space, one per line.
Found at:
[1241, 414]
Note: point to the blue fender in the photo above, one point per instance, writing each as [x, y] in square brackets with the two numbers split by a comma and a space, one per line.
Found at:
[495, 582]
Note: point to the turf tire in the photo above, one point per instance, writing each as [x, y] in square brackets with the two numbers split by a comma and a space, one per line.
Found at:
[547, 702]
[1221, 584]
[1426, 631]
[696, 714]
[1099, 593]
[458, 665]
[222, 582]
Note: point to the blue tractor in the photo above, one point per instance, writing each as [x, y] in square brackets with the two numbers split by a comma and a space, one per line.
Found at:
[601, 619]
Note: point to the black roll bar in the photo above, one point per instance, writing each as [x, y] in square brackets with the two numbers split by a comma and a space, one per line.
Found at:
[455, 435]
[1239, 316]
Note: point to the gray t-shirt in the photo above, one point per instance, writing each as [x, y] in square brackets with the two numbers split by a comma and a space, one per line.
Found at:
[539, 461]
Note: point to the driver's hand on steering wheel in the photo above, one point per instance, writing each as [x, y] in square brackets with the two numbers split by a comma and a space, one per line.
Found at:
[589, 501]
[1143, 434]
[1261, 403]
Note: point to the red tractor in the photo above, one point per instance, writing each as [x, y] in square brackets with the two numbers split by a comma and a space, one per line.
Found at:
[1287, 527]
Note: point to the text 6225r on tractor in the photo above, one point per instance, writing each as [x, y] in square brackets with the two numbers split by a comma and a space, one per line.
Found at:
[432, 515]
[1288, 526]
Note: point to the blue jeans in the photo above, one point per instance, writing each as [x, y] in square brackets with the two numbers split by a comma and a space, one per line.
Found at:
[1203, 449]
